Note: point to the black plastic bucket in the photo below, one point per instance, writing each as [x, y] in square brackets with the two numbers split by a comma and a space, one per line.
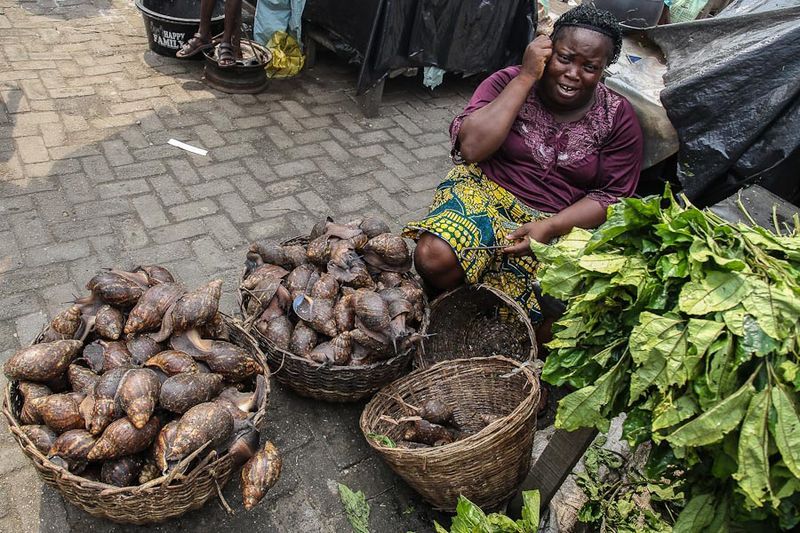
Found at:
[170, 23]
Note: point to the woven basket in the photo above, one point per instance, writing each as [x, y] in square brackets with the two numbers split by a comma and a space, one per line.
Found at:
[477, 321]
[160, 499]
[329, 383]
[486, 467]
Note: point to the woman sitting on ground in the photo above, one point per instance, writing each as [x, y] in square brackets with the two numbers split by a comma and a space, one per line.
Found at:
[541, 148]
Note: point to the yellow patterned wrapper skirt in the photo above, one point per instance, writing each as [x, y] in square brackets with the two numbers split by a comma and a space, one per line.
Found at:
[470, 210]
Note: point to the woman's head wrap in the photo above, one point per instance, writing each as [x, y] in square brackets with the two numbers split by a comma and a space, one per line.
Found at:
[589, 17]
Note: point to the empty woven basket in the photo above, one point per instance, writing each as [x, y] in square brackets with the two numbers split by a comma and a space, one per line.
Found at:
[489, 464]
[477, 321]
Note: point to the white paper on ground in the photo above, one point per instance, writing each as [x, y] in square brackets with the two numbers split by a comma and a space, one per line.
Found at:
[187, 147]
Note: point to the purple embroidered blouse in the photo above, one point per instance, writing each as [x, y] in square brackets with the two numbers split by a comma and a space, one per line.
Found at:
[550, 165]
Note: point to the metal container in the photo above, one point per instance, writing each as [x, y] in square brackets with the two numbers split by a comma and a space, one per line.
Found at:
[247, 76]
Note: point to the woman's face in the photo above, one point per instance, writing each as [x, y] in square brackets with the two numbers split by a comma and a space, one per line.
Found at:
[574, 69]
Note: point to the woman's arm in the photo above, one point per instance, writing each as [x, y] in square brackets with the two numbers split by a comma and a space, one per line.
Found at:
[585, 213]
[483, 131]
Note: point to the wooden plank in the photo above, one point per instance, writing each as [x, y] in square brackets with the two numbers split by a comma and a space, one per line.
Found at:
[370, 101]
[553, 466]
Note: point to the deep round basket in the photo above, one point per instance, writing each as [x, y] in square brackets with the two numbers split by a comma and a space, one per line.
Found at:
[330, 383]
[171, 23]
[487, 465]
[155, 501]
[477, 321]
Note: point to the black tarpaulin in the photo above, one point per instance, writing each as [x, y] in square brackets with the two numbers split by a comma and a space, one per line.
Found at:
[733, 94]
[461, 36]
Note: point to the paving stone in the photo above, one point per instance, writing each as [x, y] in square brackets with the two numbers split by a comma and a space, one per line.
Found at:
[189, 210]
[150, 211]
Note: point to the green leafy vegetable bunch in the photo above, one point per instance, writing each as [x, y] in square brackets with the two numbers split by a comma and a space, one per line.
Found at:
[691, 326]
[470, 518]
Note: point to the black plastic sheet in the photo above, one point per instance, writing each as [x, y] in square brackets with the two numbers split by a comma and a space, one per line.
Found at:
[461, 36]
[733, 94]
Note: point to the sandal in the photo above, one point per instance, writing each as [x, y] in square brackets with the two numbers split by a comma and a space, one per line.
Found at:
[194, 46]
[225, 55]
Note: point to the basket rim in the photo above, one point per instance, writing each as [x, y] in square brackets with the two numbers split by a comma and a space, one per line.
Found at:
[249, 324]
[105, 489]
[476, 439]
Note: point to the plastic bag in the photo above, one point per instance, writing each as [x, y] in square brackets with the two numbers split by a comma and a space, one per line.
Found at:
[685, 10]
[287, 59]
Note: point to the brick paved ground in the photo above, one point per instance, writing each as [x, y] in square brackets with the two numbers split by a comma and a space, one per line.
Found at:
[87, 181]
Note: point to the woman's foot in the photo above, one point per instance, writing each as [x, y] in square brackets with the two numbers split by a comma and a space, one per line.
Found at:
[194, 46]
[225, 56]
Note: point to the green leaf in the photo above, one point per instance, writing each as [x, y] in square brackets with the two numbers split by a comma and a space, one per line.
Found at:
[775, 306]
[469, 517]
[356, 508]
[755, 339]
[674, 413]
[584, 407]
[697, 515]
[609, 263]
[717, 291]
[672, 265]
[383, 440]
[787, 428]
[753, 456]
[658, 346]
[500, 523]
[531, 500]
[636, 428]
[712, 425]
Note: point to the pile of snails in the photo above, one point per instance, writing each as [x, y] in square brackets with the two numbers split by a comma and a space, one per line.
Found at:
[345, 298]
[138, 380]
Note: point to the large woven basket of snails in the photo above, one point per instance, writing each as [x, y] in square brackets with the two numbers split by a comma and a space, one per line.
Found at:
[338, 313]
[475, 321]
[462, 427]
[140, 401]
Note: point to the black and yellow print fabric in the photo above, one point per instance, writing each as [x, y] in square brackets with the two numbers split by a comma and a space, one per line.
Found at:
[469, 210]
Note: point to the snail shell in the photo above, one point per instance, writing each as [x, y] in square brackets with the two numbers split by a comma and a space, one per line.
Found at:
[155, 274]
[41, 436]
[108, 322]
[270, 252]
[342, 346]
[194, 308]
[121, 472]
[115, 289]
[244, 445]
[142, 348]
[149, 472]
[322, 317]
[344, 314]
[303, 339]
[373, 226]
[295, 256]
[202, 423]
[232, 362]
[60, 411]
[278, 331]
[319, 250]
[388, 252]
[137, 395]
[298, 279]
[388, 280]
[148, 312]
[319, 228]
[371, 309]
[121, 438]
[260, 474]
[73, 445]
[81, 378]
[173, 362]
[30, 391]
[263, 273]
[246, 401]
[105, 407]
[326, 287]
[65, 324]
[322, 353]
[343, 254]
[181, 392]
[42, 362]
[115, 355]
[261, 296]
[216, 328]
[163, 442]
